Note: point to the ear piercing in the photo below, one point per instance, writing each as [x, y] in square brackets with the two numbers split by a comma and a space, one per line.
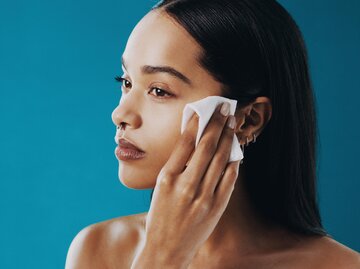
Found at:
[254, 139]
[247, 143]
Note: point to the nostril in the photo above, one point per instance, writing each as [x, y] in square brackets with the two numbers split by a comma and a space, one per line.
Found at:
[121, 126]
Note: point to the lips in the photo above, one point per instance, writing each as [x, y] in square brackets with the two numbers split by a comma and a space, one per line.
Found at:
[124, 143]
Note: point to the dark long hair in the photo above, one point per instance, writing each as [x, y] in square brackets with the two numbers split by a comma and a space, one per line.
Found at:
[254, 48]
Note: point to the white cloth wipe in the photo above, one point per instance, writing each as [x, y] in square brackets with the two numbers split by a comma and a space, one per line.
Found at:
[205, 108]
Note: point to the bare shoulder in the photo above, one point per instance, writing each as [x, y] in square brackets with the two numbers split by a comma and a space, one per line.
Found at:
[325, 252]
[107, 244]
[339, 255]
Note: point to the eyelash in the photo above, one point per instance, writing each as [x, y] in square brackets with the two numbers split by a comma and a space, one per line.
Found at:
[121, 80]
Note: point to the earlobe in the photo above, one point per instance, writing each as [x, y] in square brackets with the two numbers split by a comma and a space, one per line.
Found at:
[252, 119]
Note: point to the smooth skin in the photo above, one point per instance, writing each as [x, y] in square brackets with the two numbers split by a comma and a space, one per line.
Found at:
[197, 191]
[197, 219]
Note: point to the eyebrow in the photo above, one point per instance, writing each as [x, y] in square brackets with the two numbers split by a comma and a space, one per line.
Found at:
[148, 69]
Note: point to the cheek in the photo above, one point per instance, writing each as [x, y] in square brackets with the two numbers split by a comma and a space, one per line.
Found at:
[162, 139]
[159, 134]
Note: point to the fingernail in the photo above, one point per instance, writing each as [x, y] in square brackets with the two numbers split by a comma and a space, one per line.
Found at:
[231, 122]
[225, 109]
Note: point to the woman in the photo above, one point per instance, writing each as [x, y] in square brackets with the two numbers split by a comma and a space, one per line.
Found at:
[261, 213]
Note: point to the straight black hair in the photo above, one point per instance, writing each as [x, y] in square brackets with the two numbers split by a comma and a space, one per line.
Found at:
[254, 48]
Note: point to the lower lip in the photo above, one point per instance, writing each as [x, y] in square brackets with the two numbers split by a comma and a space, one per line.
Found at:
[126, 154]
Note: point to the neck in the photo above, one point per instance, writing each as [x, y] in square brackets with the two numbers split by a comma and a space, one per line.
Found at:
[242, 231]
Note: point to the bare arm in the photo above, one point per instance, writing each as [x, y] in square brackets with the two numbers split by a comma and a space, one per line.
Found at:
[148, 259]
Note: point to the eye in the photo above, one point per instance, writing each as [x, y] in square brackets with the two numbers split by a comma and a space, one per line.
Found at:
[161, 92]
[122, 80]
[158, 91]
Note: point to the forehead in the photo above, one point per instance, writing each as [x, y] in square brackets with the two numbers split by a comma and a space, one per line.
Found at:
[158, 40]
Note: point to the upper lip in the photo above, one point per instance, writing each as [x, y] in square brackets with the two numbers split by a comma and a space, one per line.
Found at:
[125, 143]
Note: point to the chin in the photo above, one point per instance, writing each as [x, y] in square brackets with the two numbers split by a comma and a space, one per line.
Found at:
[135, 180]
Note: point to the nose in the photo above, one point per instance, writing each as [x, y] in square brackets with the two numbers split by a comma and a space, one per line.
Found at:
[127, 112]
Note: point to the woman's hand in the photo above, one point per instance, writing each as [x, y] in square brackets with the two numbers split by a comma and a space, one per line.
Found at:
[188, 201]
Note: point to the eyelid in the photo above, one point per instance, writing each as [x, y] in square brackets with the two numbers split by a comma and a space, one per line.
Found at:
[167, 92]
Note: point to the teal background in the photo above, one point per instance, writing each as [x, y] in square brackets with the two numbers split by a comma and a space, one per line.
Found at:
[58, 172]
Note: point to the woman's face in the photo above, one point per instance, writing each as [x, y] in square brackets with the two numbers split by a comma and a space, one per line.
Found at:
[152, 117]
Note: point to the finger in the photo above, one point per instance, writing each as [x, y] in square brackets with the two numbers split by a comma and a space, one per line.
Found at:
[219, 161]
[226, 185]
[183, 149]
[206, 148]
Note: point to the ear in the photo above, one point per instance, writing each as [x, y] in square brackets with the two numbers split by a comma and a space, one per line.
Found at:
[252, 119]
